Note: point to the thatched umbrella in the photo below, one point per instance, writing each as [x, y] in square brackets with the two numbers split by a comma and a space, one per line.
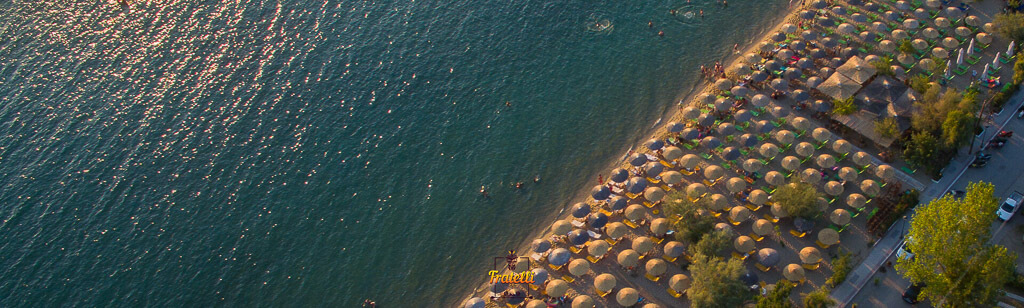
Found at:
[856, 201]
[730, 153]
[597, 249]
[740, 69]
[819, 4]
[604, 282]
[846, 28]
[579, 267]
[902, 5]
[758, 76]
[679, 283]
[785, 136]
[793, 272]
[821, 105]
[718, 202]
[540, 246]
[921, 13]
[583, 301]
[791, 73]
[769, 150]
[723, 84]
[475, 302]
[659, 226]
[919, 44]
[713, 172]
[618, 203]
[871, 7]
[778, 211]
[561, 227]
[672, 177]
[779, 111]
[804, 149]
[790, 163]
[559, 256]
[497, 287]
[891, 16]
[767, 257]
[933, 3]
[789, 28]
[940, 52]
[828, 237]
[628, 258]
[556, 288]
[578, 237]
[778, 36]
[779, 84]
[821, 134]
[841, 147]
[634, 212]
[840, 217]
[757, 197]
[536, 303]
[813, 81]
[775, 178]
[515, 297]
[615, 230]
[950, 42]
[760, 100]
[752, 58]
[848, 174]
[656, 267]
[752, 165]
[763, 227]
[672, 153]
[973, 21]
[810, 176]
[642, 244]
[807, 15]
[899, 34]
[696, 190]
[826, 161]
[886, 46]
[763, 127]
[627, 297]
[963, 31]
[736, 184]
[930, 33]
[809, 35]
[739, 214]
[839, 10]
[744, 244]
[635, 185]
[600, 192]
[817, 53]
[858, 17]
[710, 142]
[723, 227]
[689, 161]
[833, 188]
[654, 194]
[674, 249]
[810, 255]
[861, 158]
[723, 104]
[805, 63]
[879, 27]
[885, 172]
[954, 12]
[797, 45]
[619, 175]
[870, 187]
[765, 46]
[580, 210]
[691, 113]
[653, 168]
[983, 38]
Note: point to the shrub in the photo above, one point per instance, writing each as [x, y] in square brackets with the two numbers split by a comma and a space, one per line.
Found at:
[818, 299]
[907, 47]
[798, 199]
[777, 298]
[920, 83]
[1018, 70]
[840, 268]
[886, 127]
[884, 66]
[844, 107]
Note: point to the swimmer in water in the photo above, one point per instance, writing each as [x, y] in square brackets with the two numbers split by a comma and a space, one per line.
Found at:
[536, 179]
[650, 24]
[519, 185]
[661, 33]
[701, 13]
[508, 104]
[483, 191]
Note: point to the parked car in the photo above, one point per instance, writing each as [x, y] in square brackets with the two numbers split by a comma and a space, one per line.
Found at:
[1009, 206]
[904, 252]
[911, 293]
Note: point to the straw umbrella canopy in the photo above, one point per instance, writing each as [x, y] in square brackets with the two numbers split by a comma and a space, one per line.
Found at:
[919, 44]
[902, 5]
[765, 46]
[475, 302]
[659, 226]
[808, 35]
[642, 244]
[535, 303]
[758, 76]
[950, 42]
[763, 127]
[797, 45]
[911, 24]
[885, 172]
[628, 258]
[689, 134]
[833, 188]
[840, 217]
[696, 190]
[656, 267]
[597, 248]
[740, 69]
[654, 194]
[497, 287]
[723, 104]
[743, 244]
[583, 301]
[940, 52]
[858, 17]
[800, 95]
[813, 81]
[839, 10]
[627, 297]
[870, 187]
[930, 33]
[653, 168]
[805, 149]
[921, 13]
[954, 12]
[757, 197]
[615, 230]
[807, 15]
[805, 63]
[559, 256]
[769, 150]
[672, 177]
[604, 282]
[760, 100]
[752, 165]
[788, 28]
[689, 161]
[580, 210]
[763, 227]
[556, 288]
[779, 85]
[540, 275]
[718, 202]
[674, 249]
[886, 46]
[723, 84]
[973, 21]
[679, 282]
[826, 161]
[778, 36]
[879, 27]
[988, 27]
[713, 172]
[791, 73]
[778, 211]
[846, 28]
[561, 227]
[742, 116]
[790, 163]
[821, 134]
[775, 178]
[810, 255]
[726, 129]
[856, 201]
[793, 272]
[983, 38]
[579, 267]
[618, 203]
[768, 257]
[821, 106]
[736, 184]
[963, 31]
[752, 58]
[819, 4]
[739, 214]
[578, 237]
[635, 185]
[785, 136]
[891, 16]
[600, 192]
[810, 176]
[899, 34]
[828, 237]
[710, 142]
[634, 212]
[933, 3]
[861, 158]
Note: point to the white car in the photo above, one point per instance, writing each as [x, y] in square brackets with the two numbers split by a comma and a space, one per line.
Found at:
[904, 252]
[1009, 206]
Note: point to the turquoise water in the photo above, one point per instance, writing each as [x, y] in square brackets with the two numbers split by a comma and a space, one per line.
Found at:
[288, 153]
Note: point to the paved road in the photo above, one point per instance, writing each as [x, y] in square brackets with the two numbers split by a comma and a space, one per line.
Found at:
[1006, 171]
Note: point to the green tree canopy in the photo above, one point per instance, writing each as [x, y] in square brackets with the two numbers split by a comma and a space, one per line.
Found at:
[798, 199]
[716, 283]
[1010, 25]
[689, 224]
[953, 258]
[818, 298]
[710, 244]
[887, 127]
[777, 298]
[921, 149]
[956, 129]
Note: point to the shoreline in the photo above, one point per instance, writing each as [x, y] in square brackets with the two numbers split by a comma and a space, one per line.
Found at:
[672, 114]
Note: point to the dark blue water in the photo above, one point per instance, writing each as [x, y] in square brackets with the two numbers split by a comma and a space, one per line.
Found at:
[287, 153]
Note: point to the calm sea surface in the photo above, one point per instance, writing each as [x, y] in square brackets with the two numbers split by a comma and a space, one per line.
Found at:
[285, 153]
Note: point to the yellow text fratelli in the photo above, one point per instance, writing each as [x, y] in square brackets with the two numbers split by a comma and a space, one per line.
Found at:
[524, 277]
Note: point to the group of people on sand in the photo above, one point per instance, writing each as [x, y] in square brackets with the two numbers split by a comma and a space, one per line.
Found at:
[712, 72]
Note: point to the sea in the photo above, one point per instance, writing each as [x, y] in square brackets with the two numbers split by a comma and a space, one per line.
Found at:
[319, 153]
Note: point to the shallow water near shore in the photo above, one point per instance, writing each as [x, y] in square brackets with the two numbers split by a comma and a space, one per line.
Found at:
[288, 153]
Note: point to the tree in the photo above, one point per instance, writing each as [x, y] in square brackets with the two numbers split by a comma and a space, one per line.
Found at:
[1018, 70]
[953, 258]
[921, 149]
[818, 299]
[777, 298]
[844, 107]
[691, 225]
[887, 127]
[884, 66]
[1010, 25]
[920, 83]
[716, 283]
[712, 243]
[907, 47]
[956, 128]
[798, 199]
